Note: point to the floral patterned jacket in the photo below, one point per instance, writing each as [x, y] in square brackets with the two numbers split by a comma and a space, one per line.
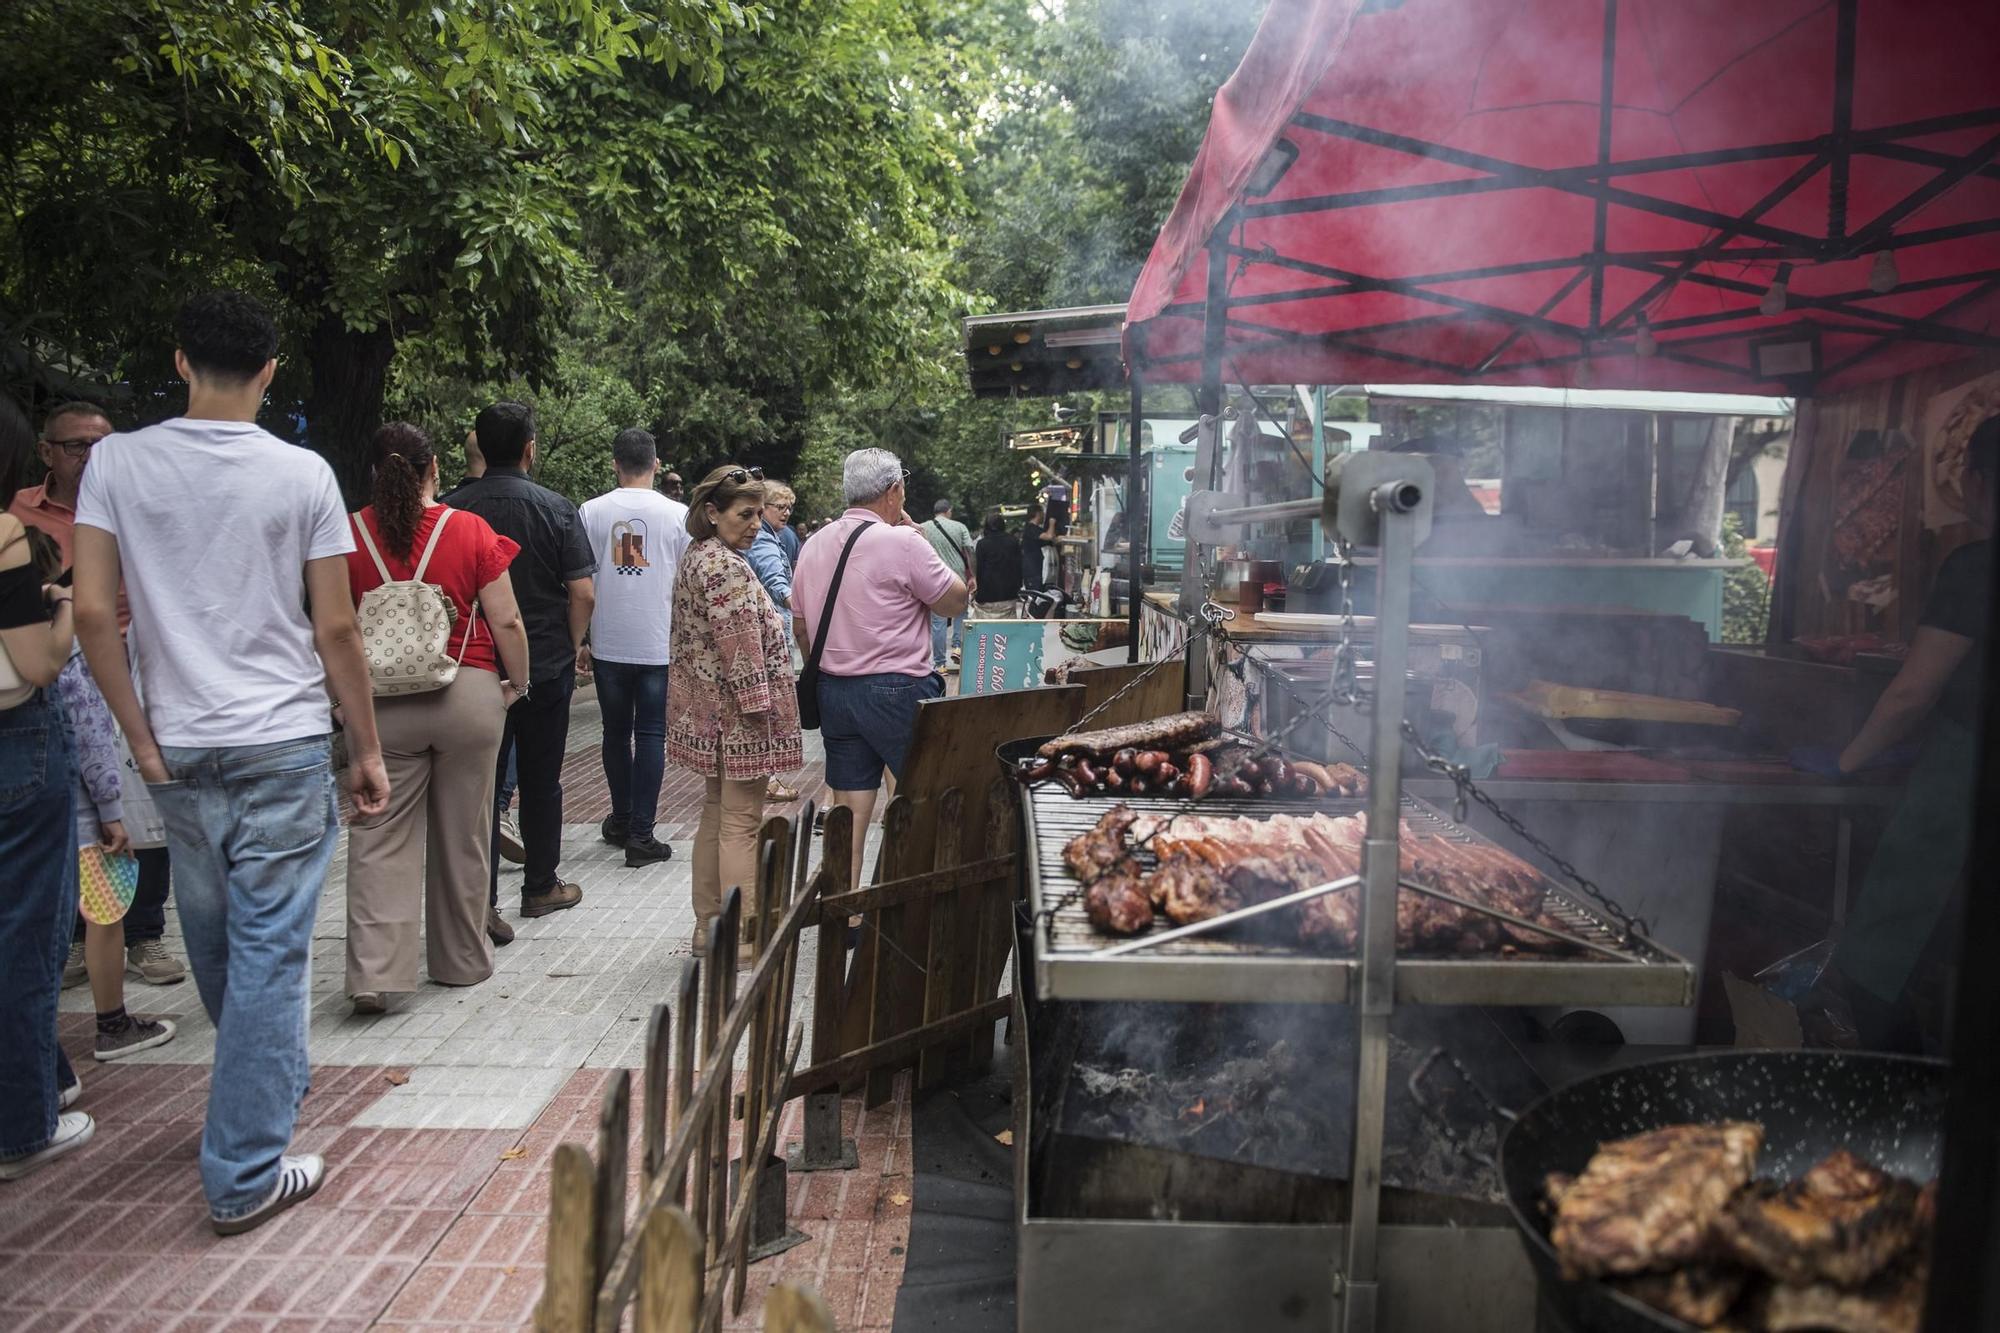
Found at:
[97, 761]
[732, 708]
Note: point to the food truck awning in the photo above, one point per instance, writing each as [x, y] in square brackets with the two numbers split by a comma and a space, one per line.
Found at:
[1612, 400]
[1589, 193]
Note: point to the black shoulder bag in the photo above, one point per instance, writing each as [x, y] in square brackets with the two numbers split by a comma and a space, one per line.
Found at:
[808, 684]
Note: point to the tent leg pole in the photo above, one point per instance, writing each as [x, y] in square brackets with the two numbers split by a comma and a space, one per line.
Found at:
[1138, 520]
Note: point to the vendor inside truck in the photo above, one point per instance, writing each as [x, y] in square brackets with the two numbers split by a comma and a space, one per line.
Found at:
[1934, 699]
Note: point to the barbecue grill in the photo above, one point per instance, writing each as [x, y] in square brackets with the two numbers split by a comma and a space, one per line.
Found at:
[1070, 961]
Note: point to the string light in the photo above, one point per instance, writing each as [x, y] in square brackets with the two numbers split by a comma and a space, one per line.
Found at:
[1645, 344]
[1773, 301]
[1882, 275]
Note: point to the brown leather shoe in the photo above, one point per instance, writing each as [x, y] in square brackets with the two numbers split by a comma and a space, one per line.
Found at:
[556, 899]
[497, 928]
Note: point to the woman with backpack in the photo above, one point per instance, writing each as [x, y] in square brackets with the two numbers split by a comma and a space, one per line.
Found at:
[448, 653]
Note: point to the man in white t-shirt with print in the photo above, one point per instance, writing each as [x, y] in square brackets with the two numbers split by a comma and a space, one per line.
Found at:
[638, 536]
[224, 535]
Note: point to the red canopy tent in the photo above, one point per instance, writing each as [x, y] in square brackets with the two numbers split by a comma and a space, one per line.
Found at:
[1588, 192]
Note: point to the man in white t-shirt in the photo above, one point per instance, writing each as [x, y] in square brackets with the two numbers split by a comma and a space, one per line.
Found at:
[638, 536]
[224, 535]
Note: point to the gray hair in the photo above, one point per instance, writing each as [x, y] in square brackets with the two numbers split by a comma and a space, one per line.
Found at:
[941, 507]
[868, 474]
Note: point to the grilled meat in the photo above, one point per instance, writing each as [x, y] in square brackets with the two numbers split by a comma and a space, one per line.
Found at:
[1699, 1293]
[1649, 1201]
[1116, 900]
[1892, 1303]
[1842, 1222]
[1174, 732]
[1089, 855]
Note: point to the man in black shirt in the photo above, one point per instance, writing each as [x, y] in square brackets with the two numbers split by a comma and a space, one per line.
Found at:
[1031, 548]
[997, 567]
[552, 583]
[1937, 695]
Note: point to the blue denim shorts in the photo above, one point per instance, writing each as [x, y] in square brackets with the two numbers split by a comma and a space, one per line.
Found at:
[867, 723]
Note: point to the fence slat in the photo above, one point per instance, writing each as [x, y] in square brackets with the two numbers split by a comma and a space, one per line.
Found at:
[830, 975]
[993, 908]
[570, 1291]
[683, 1091]
[879, 930]
[670, 1286]
[614, 1127]
[793, 1309]
[659, 1070]
[942, 941]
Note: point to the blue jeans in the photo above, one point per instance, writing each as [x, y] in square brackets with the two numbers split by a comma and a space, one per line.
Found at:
[940, 626]
[867, 723]
[633, 700]
[251, 829]
[37, 904]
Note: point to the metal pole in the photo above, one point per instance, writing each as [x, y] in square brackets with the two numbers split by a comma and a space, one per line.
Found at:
[1208, 404]
[1267, 513]
[1138, 519]
[1381, 858]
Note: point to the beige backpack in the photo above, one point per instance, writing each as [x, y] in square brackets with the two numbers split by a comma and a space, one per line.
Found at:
[406, 625]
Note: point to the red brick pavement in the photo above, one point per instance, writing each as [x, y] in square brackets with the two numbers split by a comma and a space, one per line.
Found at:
[415, 1228]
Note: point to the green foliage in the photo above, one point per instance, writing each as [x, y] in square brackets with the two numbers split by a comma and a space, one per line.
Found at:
[1746, 592]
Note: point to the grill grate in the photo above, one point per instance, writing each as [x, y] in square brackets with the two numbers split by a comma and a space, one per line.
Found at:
[1216, 967]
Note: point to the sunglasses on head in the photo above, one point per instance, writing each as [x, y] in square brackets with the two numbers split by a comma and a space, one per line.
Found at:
[738, 476]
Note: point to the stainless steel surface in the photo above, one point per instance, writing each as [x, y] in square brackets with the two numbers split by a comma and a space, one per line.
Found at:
[1215, 1277]
[1507, 790]
[1066, 967]
[1213, 518]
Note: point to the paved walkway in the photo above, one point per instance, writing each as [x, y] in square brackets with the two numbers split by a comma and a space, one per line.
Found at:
[438, 1121]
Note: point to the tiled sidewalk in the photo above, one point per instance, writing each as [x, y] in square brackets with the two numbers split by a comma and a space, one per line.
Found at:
[438, 1121]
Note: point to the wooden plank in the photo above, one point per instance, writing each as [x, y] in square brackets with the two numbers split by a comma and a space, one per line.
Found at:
[791, 1308]
[890, 977]
[674, 1191]
[830, 968]
[1160, 695]
[656, 1092]
[569, 1287]
[940, 965]
[896, 1049]
[927, 884]
[670, 1292]
[614, 1124]
[721, 1065]
[992, 911]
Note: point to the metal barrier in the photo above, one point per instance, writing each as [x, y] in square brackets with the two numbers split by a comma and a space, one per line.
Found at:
[701, 1217]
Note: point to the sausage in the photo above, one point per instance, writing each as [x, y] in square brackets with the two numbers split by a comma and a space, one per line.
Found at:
[1181, 787]
[1302, 786]
[1317, 772]
[1200, 775]
[1165, 773]
[1113, 780]
[1146, 761]
[1175, 731]
[1070, 784]
[1138, 785]
[1035, 770]
[1122, 761]
[1085, 774]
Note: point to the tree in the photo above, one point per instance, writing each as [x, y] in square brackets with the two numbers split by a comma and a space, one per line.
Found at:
[379, 168]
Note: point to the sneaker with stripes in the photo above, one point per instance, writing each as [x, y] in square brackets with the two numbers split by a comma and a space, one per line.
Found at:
[298, 1179]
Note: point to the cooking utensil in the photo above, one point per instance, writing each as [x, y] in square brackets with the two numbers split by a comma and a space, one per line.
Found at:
[1887, 1109]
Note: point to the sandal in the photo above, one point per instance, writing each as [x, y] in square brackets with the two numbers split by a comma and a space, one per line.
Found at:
[775, 790]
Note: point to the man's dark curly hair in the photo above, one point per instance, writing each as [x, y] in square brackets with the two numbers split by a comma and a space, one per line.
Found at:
[504, 430]
[226, 334]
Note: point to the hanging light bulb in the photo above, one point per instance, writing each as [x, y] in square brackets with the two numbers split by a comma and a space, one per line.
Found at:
[1773, 301]
[1882, 275]
[1645, 344]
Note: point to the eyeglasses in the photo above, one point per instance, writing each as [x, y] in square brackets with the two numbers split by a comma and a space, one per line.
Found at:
[738, 476]
[75, 448]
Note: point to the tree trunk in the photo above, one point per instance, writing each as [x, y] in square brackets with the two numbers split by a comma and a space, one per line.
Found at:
[1699, 518]
[350, 370]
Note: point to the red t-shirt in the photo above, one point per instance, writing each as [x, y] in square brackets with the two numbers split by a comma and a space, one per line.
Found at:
[469, 556]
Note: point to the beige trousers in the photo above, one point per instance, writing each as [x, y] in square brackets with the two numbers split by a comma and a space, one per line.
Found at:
[725, 850]
[422, 863]
[1009, 610]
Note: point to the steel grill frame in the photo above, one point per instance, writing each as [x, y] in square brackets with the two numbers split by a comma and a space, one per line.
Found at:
[1216, 969]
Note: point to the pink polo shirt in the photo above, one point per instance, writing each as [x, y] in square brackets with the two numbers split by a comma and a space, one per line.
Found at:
[882, 619]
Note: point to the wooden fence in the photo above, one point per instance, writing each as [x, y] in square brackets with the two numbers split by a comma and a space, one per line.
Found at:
[698, 1221]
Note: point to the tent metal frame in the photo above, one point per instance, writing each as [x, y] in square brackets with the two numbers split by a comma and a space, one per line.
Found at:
[1733, 239]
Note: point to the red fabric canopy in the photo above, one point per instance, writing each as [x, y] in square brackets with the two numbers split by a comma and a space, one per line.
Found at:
[1500, 191]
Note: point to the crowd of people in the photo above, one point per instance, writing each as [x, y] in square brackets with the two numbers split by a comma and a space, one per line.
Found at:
[189, 617]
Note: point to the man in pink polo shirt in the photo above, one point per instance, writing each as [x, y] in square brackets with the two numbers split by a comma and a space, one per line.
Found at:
[876, 666]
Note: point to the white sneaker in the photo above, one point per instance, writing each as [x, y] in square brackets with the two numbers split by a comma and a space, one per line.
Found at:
[298, 1180]
[71, 1095]
[73, 1130]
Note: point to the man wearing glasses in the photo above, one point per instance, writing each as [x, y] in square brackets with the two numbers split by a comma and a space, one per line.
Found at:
[71, 431]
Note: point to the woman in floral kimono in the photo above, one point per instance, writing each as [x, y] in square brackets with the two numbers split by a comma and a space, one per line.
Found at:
[732, 711]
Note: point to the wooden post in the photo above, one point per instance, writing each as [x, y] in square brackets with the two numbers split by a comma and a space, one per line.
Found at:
[823, 1148]
[670, 1278]
[683, 1074]
[721, 1064]
[994, 907]
[659, 1072]
[942, 944]
[614, 1127]
[795, 1309]
[569, 1294]
[886, 975]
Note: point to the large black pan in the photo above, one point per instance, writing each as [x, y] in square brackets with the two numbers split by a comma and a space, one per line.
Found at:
[1888, 1109]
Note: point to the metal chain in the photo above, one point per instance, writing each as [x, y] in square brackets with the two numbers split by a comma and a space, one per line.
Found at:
[1344, 688]
[1211, 617]
[1465, 788]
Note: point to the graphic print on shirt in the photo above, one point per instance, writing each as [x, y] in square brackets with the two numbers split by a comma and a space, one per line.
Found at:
[628, 546]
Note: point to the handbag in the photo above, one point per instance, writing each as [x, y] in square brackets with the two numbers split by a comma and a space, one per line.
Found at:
[406, 625]
[106, 884]
[808, 683]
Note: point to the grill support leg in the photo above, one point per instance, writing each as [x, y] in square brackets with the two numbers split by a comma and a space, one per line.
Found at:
[824, 1149]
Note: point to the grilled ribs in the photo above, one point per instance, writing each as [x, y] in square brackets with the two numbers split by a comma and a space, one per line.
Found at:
[1701, 1294]
[1648, 1202]
[1892, 1303]
[1843, 1222]
[1116, 901]
[1092, 853]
